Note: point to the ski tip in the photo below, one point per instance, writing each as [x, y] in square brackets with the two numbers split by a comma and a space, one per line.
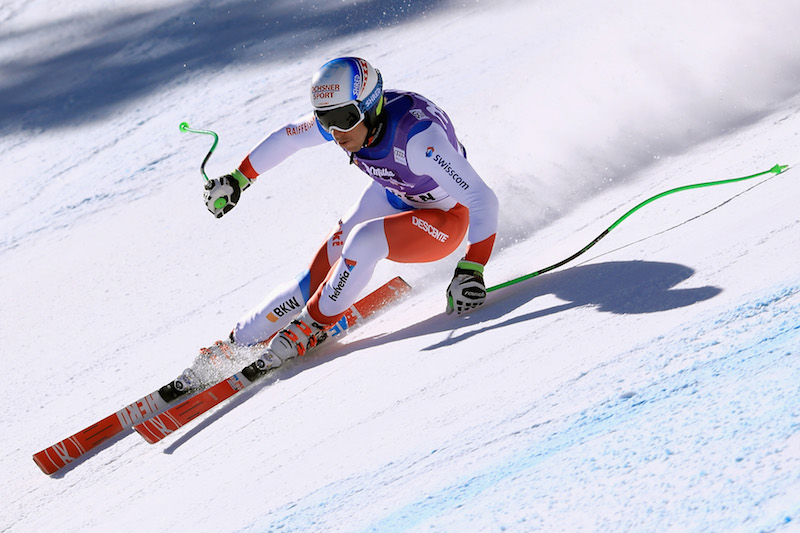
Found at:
[46, 466]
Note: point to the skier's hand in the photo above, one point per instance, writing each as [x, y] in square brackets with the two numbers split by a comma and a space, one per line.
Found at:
[467, 290]
[222, 194]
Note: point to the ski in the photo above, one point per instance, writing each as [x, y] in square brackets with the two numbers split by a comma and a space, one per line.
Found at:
[157, 427]
[53, 458]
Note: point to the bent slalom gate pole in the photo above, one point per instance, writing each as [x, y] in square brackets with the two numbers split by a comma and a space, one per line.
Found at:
[777, 169]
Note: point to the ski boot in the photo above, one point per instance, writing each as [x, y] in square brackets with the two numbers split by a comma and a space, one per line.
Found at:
[300, 336]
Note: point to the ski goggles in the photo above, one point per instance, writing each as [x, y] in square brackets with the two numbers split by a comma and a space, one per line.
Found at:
[343, 118]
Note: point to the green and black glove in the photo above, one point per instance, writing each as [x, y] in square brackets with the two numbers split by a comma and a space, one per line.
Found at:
[222, 193]
[467, 290]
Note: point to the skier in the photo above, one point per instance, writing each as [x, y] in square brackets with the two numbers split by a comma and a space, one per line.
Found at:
[422, 199]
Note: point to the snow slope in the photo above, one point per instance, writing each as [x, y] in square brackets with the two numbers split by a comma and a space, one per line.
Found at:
[650, 385]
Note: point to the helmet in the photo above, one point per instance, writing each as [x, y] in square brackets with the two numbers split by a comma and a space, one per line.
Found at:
[346, 91]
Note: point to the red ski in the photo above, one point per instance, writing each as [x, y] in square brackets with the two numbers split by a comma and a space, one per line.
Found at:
[59, 455]
[55, 457]
[156, 428]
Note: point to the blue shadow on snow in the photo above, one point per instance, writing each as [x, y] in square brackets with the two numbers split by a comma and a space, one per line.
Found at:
[620, 287]
[81, 68]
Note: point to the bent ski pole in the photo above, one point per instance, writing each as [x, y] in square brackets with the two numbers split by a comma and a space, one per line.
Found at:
[777, 169]
[185, 127]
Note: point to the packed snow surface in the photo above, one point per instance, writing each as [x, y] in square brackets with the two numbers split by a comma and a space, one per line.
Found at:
[652, 384]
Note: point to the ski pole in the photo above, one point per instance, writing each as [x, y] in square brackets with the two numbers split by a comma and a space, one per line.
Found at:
[185, 127]
[777, 169]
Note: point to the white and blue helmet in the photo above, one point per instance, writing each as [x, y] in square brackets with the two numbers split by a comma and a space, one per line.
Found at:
[346, 91]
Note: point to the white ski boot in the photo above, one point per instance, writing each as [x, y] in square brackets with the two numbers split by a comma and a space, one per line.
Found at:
[301, 335]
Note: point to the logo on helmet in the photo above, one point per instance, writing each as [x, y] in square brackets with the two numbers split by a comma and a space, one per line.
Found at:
[363, 78]
[429, 151]
[324, 92]
[371, 100]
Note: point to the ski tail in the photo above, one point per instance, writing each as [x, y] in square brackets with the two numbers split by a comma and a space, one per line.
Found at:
[378, 300]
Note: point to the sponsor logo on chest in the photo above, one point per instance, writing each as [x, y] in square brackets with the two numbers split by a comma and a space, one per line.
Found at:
[384, 174]
[400, 156]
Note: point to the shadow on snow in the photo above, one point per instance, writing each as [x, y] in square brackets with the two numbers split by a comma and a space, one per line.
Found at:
[80, 68]
[626, 287]
[629, 287]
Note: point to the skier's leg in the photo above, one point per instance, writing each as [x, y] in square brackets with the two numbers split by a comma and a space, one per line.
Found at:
[285, 302]
[411, 237]
[372, 204]
[273, 313]
[426, 235]
[416, 236]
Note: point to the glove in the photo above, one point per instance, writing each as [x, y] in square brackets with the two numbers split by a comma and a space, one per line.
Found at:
[467, 290]
[222, 193]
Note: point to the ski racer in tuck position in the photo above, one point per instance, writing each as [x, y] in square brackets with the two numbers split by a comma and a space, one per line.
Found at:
[423, 198]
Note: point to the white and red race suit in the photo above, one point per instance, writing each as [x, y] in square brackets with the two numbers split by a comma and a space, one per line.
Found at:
[423, 199]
